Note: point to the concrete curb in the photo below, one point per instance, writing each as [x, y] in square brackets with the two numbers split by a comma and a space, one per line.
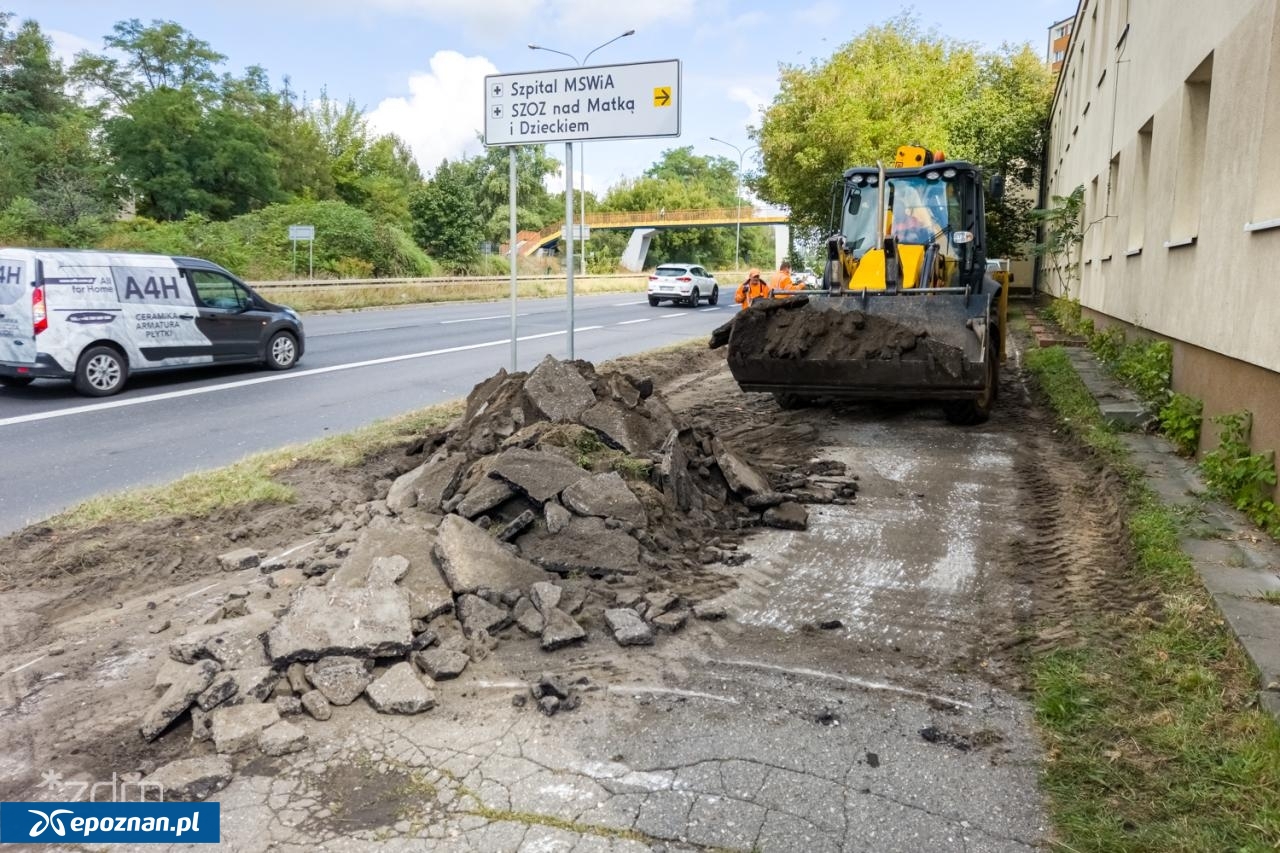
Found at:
[1236, 561]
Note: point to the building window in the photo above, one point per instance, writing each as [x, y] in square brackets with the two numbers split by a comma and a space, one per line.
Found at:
[1138, 195]
[1192, 132]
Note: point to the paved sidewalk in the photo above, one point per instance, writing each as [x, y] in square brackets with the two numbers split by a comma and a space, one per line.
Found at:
[1235, 560]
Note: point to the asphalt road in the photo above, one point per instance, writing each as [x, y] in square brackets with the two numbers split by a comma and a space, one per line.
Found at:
[60, 448]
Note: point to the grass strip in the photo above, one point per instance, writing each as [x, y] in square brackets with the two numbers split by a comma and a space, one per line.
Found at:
[1154, 737]
[254, 479]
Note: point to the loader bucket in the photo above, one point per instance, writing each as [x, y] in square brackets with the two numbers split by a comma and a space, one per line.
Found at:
[874, 345]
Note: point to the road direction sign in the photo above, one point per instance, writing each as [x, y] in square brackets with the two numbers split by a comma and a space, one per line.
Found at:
[302, 232]
[633, 101]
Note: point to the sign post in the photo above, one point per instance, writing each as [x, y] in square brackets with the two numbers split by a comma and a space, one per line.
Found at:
[639, 100]
[308, 233]
[511, 211]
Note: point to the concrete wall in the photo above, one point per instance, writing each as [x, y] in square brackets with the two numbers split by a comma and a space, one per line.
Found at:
[1169, 115]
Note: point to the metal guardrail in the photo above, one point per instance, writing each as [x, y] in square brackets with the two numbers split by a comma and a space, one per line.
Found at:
[451, 281]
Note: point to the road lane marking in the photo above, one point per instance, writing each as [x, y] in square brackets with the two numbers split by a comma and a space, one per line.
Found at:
[713, 308]
[586, 328]
[677, 314]
[630, 322]
[276, 377]
[478, 319]
[621, 304]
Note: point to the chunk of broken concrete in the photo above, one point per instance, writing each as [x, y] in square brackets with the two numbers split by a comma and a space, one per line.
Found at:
[471, 559]
[558, 391]
[236, 686]
[764, 500]
[516, 526]
[536, 474]
[314, 703]
[787, 516]
[742, 478]
[487, 494]
[236, 727]
[435, 482]
[674, 480]
[628, 628]
[234, 643]
[710, 611]
[477, 615]
[637, 431]
[545, 596]
[400, 690]
[241, 558]
[528, 618]
[189, 779]
[288, 706]
[606, 496]
[561, 630]
[587, 545]
[340, 678]
[558, 517]
[282, 738]
[369, 622]
[178, 697]
[442, 664]
[671, 621]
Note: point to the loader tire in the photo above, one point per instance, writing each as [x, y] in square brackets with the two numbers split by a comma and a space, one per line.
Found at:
[974, 412]
[787, 402]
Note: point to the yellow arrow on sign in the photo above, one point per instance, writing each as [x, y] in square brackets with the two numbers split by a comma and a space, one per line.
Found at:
[662, 96]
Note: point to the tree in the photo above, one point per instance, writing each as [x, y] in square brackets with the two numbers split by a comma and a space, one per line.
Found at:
[447, 220]
[535, 207]
[160, 56]
[32, 82]
[1064, 233]
[896, 84]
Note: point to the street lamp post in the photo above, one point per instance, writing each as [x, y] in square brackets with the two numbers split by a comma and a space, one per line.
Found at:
[582, 159]
[737, 242]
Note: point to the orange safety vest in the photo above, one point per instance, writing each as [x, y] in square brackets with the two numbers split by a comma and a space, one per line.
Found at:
[782, 282]
[749, 291]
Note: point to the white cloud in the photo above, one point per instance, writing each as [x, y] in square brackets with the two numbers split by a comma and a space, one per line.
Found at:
[555, 183]
[443, 112]
[754, 101]
[67, 45]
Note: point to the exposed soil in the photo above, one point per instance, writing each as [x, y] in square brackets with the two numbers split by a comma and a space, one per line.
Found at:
[76, 603]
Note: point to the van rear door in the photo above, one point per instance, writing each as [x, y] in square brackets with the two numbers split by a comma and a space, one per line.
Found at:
[17, 333]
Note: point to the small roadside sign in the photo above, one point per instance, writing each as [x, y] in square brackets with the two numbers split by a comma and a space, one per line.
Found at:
[633, 101]
[578, 231]
[302, 232]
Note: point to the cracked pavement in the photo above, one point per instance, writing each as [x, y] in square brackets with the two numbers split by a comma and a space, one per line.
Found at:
[894, 731]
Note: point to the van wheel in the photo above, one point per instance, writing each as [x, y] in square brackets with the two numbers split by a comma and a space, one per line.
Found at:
[653, 301]
[694, 298]
[101, 372]
[282, 351]
[714, 298]
[16, 381]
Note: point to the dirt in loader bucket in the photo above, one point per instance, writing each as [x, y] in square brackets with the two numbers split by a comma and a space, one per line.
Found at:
[800, 330]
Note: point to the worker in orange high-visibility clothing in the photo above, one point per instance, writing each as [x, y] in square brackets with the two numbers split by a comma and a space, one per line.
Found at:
[782, 282]
[752, 289]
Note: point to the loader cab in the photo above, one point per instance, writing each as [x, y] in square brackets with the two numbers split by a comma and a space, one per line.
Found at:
[934, 215]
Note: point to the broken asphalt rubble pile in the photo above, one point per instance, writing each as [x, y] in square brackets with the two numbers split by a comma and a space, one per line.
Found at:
[564, 505]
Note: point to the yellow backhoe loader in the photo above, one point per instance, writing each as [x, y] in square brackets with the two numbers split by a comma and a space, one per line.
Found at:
[906, 309]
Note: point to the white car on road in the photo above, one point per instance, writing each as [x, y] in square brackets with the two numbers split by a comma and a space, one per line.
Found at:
[683, 284]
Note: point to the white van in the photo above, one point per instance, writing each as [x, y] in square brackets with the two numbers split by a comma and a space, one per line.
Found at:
[96, 317]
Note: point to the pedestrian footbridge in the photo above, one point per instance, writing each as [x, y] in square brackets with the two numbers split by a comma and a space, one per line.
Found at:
[645, 223]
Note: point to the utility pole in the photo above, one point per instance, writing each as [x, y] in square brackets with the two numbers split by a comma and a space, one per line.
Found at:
[737, 243]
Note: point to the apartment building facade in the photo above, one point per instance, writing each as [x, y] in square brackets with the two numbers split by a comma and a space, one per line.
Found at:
[1059, 39]
[1168, 115]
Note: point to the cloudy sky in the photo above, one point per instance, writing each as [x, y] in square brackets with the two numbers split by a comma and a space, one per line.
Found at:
[417, 66]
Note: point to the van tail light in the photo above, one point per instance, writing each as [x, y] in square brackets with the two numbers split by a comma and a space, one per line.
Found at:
[39, 317]
[653, 278]
[684, 278]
